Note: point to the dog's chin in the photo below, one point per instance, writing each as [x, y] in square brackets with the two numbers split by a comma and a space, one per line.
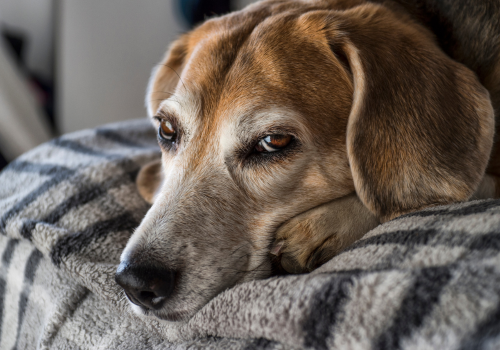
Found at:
[170, 316]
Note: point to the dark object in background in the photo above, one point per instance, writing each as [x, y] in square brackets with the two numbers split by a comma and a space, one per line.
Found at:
[43, 89]
[196, 11]
[3, 161]
[15, 42]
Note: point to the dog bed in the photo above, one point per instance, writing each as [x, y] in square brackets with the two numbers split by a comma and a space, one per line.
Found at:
[430, 279]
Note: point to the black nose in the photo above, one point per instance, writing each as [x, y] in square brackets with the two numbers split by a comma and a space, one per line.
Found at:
[146, 286]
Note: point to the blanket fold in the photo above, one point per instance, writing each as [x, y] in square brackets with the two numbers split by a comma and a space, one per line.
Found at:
[429, 279]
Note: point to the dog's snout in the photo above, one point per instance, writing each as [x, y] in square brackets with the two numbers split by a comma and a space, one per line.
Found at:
[146, 286]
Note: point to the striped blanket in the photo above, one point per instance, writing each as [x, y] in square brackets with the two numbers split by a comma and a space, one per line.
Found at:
[428, 280]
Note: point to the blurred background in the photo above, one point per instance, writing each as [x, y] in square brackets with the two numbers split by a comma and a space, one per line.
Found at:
[67, 65]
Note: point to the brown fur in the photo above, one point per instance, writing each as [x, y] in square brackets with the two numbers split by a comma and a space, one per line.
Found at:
[386, 123]
[149, 180]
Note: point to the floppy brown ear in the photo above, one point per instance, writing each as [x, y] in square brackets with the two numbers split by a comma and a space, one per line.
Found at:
[149, 180]
[166, 74]
[421, 126]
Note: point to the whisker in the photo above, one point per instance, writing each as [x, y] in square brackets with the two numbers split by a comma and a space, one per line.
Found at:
[163, 64]
[256, 269]
[163, 91]
[234, 251]
[163, 99]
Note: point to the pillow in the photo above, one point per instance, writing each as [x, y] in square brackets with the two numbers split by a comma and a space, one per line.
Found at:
[430, 279]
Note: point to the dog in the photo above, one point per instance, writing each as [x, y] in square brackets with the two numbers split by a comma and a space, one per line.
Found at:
[294, 127]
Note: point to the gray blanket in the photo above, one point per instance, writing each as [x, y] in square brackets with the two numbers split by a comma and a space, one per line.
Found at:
[426, 280]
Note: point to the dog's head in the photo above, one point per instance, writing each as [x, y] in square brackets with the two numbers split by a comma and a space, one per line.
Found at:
[271, 111]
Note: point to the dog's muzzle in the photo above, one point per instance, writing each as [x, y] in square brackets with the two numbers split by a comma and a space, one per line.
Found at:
[145, 286]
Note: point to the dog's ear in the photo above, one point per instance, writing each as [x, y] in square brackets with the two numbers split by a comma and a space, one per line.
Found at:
[421, 126]
[149, 180]
[166, 74]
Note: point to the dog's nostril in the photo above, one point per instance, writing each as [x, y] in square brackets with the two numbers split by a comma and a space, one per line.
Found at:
[146, 286]
[147, 295]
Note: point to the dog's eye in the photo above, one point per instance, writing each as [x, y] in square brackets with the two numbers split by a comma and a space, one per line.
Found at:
[167, 131]
[273, 143]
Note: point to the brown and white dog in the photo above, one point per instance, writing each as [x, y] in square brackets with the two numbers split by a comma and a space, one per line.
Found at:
[294, 127]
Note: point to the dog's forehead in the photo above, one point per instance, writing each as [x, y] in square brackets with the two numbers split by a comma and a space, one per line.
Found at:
[248, 67]
[247, 78]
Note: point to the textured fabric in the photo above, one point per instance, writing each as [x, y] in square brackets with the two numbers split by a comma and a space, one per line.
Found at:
[426, 280]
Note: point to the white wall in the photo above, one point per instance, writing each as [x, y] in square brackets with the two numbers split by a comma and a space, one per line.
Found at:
[35, 19]
[106, 50]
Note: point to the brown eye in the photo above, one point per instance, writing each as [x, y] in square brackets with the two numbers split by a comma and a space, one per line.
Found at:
[167, 131]
[273, 143]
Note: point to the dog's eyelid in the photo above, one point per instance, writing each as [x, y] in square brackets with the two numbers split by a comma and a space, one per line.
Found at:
[279, 130]
[163, 115]
[169, 131]
[251, 142]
